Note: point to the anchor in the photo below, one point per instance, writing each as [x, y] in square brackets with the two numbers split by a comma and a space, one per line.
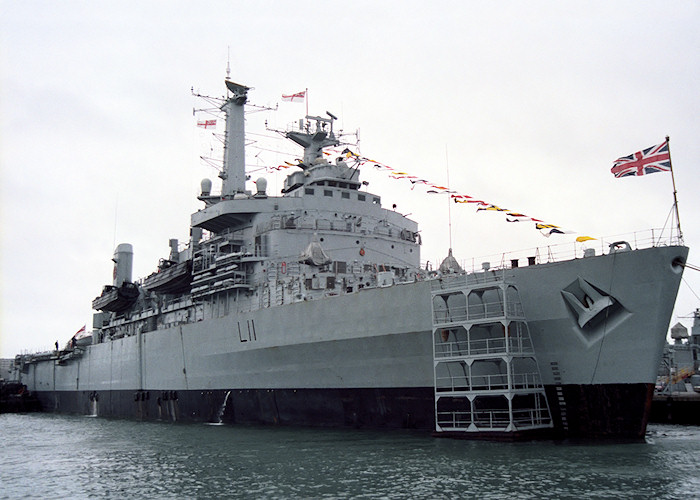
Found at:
[592, 305]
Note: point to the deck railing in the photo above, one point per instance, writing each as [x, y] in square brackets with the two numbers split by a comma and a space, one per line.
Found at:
[491, 382]
[516, 345]
[638, 240]
[486, 310]
[492, 419]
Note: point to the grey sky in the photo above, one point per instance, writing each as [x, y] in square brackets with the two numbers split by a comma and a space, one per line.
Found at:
[528, 102]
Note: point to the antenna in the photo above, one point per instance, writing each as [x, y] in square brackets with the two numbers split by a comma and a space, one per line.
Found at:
[116, 213]
[228, 62]
[449, 198]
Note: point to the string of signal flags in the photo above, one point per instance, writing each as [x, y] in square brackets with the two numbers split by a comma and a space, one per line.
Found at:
[650, 160]
[545, 228]
[647, 161]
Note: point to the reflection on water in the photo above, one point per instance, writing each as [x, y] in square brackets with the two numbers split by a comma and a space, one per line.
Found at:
[76, 457]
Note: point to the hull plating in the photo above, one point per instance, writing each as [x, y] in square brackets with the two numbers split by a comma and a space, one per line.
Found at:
[367, 358]
[590, 411]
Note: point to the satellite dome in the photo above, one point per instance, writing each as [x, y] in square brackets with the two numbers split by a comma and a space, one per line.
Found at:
[679, 332]
[206, 187]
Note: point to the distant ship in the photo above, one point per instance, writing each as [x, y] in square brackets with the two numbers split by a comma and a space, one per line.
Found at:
[311, 308]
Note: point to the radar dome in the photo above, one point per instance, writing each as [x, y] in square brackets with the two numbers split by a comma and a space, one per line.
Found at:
[206, 187]
[261, 184]
[679, 332]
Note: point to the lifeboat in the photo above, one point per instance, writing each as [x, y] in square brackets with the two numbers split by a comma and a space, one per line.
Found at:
[116, 299]
[172, 277]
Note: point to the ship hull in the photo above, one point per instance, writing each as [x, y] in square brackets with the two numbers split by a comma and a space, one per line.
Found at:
[617, 411]
[366, 359]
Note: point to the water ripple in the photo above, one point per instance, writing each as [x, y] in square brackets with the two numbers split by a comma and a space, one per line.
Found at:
[71, 457]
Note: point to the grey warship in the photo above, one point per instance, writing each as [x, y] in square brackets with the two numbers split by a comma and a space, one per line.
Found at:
[311, 308]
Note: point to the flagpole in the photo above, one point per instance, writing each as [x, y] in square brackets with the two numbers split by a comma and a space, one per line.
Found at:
[306, 100]
[675, 198]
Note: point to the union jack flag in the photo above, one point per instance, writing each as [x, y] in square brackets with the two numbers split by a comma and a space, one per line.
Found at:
[654, 159]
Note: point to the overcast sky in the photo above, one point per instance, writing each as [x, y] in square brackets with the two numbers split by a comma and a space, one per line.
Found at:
[525, 104]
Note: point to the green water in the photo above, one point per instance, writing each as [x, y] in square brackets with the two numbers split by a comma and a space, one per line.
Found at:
[53, 456]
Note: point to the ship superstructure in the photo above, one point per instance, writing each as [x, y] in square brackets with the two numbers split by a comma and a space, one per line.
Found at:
[311, 308]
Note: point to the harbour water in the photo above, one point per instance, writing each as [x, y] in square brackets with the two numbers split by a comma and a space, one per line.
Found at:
[58, 456]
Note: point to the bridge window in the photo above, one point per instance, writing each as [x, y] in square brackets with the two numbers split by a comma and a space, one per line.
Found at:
[308, 190]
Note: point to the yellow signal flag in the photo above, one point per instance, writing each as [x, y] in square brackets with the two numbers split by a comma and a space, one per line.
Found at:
[581, 239]
[493, 207]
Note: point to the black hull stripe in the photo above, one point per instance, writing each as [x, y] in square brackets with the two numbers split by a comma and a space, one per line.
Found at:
[578, 411]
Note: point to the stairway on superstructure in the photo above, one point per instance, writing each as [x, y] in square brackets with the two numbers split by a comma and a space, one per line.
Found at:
[487, 378]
